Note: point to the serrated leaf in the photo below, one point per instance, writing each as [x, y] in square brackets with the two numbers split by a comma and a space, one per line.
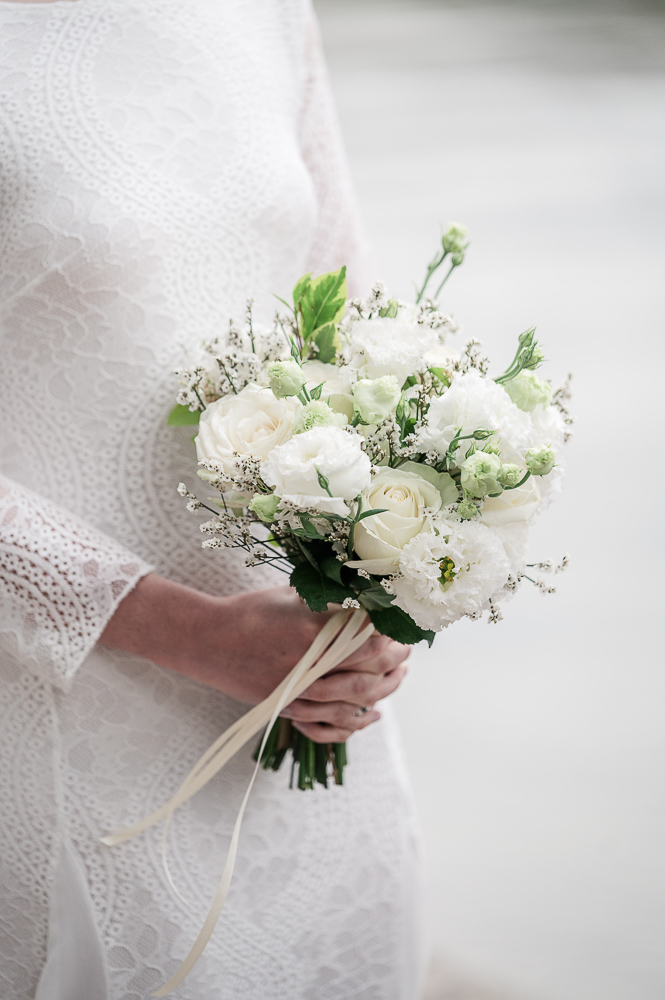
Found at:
[397, 625]
[332, 568]
[317, 590]
[327, 343]
[182, 416]
[322, 301]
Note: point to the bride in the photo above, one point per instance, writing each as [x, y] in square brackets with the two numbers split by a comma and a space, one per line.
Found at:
[160, 162]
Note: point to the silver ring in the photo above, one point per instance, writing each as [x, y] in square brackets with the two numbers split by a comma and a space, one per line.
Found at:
[361, 711]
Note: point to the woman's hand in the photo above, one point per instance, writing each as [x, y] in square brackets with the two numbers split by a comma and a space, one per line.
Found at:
[246, 644]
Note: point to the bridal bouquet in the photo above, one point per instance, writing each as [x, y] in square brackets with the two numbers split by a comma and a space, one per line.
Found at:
[349, 445]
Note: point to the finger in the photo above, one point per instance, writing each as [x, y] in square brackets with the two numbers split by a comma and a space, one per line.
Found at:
[355, 688]
[375, 645]
[335, 713]
[380, 662]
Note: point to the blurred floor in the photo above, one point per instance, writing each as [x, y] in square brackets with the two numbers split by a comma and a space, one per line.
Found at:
[537, 747]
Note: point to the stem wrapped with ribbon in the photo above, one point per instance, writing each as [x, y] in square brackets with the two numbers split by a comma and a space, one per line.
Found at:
[343, 634]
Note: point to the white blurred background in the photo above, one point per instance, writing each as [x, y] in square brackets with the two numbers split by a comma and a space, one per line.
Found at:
[536, 747]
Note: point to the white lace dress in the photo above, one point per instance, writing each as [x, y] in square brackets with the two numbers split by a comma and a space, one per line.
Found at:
[160, 161]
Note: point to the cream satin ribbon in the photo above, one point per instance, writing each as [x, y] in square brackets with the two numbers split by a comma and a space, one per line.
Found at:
[342, 635]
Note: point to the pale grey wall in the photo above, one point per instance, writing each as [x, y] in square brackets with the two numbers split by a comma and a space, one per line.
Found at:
[537, 747]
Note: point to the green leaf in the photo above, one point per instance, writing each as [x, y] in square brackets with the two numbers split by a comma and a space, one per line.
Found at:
[317, 590]
[327, 342]
[322, 301]
[308, 528]
[182, 416]
[375, 598]
[333, 568]
[299, 289]
[369, 513]
[397, 625]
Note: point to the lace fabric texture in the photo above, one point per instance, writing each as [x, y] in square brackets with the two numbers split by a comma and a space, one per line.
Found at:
[159, 163]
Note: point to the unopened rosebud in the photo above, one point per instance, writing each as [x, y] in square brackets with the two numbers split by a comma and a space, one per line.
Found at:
[540, 461]
[480, 474]
[286, 378]
[510, 474]
[265, 505]
[453, 240]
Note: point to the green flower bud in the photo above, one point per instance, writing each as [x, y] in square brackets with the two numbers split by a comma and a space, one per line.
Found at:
[480, 474]
[482, 434]
[528, 391]
[453, 240]
[536, 357]
[374, 399]
[286, 378]
[540, 461]
[265, 505]
[510, 474]
[318, 414]
[467, 510]
[526, 339]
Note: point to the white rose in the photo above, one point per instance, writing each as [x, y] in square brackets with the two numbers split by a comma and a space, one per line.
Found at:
[295, 470]
[474, 403]
[385, 346]
[406, 499]
[518, 504]
[251, 423]
[450, 572]
[337, 391]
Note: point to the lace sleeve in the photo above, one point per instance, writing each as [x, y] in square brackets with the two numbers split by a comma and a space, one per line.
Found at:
[338, 237]
[60, 582]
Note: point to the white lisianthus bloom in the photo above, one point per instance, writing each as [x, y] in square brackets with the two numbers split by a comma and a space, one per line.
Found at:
[547, 428]
[374, 399]
[296, 470]
[528, 391]
[337, 391]
[316, 413]
[449, 572]
[406, 499]
[514, 538]
[250, 424]
[286, 377]
[390, 346]
[474, 403]
[519, 504]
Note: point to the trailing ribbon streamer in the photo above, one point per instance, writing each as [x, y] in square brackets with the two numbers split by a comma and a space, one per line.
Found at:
[342, 635]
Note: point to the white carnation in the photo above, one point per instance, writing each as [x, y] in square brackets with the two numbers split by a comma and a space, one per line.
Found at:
[250, 424]
[390, 346]
[470, 551]
[474, 403]
[296, 469]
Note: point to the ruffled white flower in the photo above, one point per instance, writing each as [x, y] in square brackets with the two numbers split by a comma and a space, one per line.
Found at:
[250, 424]
[473, 403]
[450, 572]
[406, 499]
[390, 346]
[299, 469]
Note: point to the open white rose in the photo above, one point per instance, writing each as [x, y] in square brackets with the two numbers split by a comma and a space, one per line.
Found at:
[337, 391]
[518, 504]
[385, 346]
[251, 423]
[297, 468]
[406, 499]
